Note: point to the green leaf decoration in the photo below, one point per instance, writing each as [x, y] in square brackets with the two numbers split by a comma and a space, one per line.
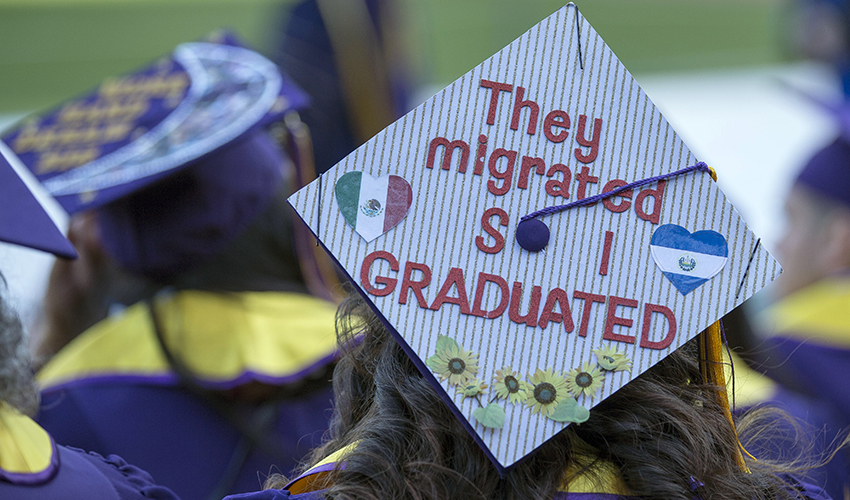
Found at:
[492, 416]
[569, 411]
[433, 362]
[443, 341]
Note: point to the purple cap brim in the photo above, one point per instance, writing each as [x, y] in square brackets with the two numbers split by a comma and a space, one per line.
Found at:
[828, 172]
[23, 220]
[838, 110]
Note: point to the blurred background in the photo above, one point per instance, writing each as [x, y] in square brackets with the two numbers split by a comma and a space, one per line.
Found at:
[718, 69]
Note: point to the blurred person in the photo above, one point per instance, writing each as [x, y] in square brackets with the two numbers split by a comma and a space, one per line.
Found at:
[347, 55]
[194, 335]
[816, 244]
[821, 31]
[804, 344]
[32, 465]
[805, 426]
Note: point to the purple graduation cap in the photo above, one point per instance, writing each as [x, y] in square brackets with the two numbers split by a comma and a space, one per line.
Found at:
[828, 171]
[23, 221]
[192, 125]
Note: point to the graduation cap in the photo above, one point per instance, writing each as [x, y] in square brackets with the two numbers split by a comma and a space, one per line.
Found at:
[138, 128]
[523, 328]
[193, 119]
[23, 221]
[827, 173]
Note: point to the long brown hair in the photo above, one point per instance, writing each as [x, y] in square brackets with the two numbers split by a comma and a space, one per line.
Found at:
[664, 433]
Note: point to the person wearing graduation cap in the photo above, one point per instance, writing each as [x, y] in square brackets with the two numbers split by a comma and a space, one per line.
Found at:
[539, 318]
[195, 335]
[346, 55]
[806, 350]
[32, 465]
[661, 436]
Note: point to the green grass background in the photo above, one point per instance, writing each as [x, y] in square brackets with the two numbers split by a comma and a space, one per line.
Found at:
[51, 50]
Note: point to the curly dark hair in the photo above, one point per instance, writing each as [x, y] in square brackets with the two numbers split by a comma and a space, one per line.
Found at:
[16, 383]
[659, 431]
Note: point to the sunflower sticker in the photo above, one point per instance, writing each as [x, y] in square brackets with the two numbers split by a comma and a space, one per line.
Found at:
[472, 388]
[508, 386]
[453, 362]
[547, 393]
[586, 381]
[549, 390]
[612, 360]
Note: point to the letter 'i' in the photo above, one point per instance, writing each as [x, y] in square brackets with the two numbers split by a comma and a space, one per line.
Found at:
[480, 155]
[606, 253]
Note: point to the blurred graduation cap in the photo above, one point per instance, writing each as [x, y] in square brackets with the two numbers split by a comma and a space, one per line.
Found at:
[194, 119]
[523, 331]
[23, 221]
[827, 172]
[343, 53]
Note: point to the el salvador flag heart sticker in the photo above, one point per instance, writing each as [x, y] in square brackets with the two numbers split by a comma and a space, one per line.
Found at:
[688, 260]
[372, 206]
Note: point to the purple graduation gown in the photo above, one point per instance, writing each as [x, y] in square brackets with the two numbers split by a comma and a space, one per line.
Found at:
[811, 492]
[808, 355]
[89, 476]
[306, 485]
[319, 495]
[33, 467]
[144, 414]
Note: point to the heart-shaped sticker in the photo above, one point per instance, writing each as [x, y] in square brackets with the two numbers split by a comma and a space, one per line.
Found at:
[372, 205]
[688, 260]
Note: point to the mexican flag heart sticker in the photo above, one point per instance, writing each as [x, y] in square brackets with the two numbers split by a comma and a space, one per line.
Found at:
[372, 206]
[688, 260]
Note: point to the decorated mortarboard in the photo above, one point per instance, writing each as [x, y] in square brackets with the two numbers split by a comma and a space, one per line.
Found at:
[524, 327]
[23, 221]
[136, 129]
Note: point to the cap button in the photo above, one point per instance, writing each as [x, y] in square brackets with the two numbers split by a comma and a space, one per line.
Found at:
[532, 235]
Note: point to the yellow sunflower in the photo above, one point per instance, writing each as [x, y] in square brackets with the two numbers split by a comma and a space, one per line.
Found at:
[612, 360]
[472, 388]
[585, 381]
[549, 390]
[456, 364]
[508, 386]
